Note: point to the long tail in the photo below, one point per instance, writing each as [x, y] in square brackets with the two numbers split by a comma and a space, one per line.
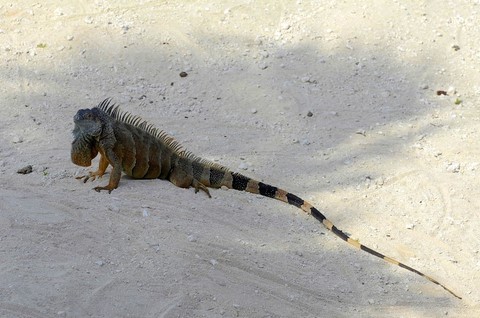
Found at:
[243, 183]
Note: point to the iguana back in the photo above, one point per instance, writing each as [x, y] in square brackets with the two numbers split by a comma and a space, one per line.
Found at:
[130, 144]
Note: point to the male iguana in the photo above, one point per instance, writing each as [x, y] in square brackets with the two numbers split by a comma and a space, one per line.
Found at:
[134, 146]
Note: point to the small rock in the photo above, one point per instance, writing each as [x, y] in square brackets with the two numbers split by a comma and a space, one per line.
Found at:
[258, 40]
[17, 139]
[213, 262]
[113, 208]
[453, 167]
[88, 20]
[183, 74]
[309, 114]
[285, 26]
[305, 79]
[263, 66]
[305, 142]
[58, 11]
[455, 47]
[253, 111]
[472, 166]
[451, 90]
[361, 132]
[243, 166]
[380, 182]
[410, 226]
[263, 54]
[25, 170]
[100, 263]
[69, 38]
[424, 86]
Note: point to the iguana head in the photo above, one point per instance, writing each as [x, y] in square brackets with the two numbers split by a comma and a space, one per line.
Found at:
[88, 122]
[88, 128]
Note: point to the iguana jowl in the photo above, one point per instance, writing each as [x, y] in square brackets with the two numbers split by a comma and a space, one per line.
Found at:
[132, 145]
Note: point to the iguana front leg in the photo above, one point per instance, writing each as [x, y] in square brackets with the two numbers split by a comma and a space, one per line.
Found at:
[102, 166]
[115, 175]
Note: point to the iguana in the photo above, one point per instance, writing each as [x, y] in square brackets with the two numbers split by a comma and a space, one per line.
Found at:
[136, 147]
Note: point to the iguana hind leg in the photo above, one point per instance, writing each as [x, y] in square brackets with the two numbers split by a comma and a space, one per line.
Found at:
[183, 180]
[200, 186]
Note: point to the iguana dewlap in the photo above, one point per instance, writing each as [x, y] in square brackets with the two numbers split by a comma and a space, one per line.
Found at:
[132, 145]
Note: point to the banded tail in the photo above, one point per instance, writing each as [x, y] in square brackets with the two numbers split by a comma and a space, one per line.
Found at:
[240, 182]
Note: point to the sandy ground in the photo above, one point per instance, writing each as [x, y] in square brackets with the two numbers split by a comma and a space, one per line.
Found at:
[381, 154]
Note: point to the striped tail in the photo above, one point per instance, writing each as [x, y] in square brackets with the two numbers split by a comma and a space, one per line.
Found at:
[243, 183]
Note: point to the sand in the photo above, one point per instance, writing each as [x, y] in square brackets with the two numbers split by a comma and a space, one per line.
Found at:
[335, 101]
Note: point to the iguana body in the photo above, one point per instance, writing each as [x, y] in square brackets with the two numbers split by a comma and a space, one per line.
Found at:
[132, 145]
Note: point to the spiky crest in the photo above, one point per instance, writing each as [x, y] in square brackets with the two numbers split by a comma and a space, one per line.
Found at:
[127, 118]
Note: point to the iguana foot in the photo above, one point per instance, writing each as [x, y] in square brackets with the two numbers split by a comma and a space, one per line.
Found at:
[91, 175]
[107, 188]
[200, 186]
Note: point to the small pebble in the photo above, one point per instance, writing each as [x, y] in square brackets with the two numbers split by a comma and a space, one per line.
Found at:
[453, 167]
[243, 166]
[25, 170]
[305, 79]
[58, 11]
[309, 114]
[263, 66]
[361, 132]
[305, 142]
[183, 74]
[17, 139]
[113, 208]
[472, 166]
[263, 54]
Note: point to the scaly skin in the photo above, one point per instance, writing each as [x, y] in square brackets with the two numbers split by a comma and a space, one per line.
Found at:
[133, 146]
